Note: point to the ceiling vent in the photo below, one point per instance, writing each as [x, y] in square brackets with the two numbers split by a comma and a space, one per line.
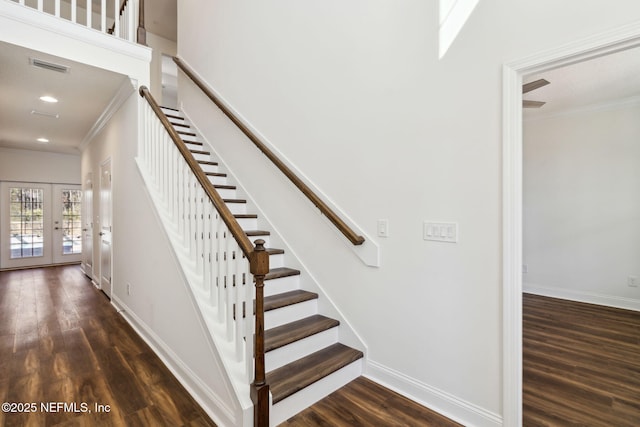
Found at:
[42, 113]
[48, 65]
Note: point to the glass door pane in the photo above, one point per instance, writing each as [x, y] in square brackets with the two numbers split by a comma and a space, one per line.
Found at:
[26, 226]
[67, 223]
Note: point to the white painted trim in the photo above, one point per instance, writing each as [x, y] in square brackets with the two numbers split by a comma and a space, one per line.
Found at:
[369, 251]
[64, 27]
[618, 104]
[624, 37]
[583, 296]
[123, 93]
[215, 407]
[442, 402]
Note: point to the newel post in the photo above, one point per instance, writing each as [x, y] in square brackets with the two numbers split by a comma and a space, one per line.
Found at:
[142, 32]
[259, 267]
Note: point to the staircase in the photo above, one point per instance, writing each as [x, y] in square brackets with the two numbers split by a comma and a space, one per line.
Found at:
[304, 359]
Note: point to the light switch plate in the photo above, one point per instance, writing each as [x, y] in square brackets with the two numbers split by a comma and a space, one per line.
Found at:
[440, 231]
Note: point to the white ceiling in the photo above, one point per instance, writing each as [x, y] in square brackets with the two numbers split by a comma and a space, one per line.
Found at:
[83, 93]
[595, 83]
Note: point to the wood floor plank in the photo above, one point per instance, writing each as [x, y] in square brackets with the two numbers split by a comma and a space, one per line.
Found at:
[581, 364]
[62, 341]
[364, 403]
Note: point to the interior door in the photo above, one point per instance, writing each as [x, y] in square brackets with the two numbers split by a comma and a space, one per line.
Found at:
[105, 228]
[87, 226]
[25, 228]
[67, 223]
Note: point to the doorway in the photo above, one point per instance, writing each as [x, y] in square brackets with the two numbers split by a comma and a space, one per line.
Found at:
[87, 226]
[106, 228]
[602, 44]
[41, 224]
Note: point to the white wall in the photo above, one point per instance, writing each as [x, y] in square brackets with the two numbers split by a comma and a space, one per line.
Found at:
[160, 46]
[582, 205]
[354, 95]
[39, 166]
[160, 304]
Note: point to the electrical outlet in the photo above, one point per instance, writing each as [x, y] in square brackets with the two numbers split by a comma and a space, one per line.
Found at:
[632, 281]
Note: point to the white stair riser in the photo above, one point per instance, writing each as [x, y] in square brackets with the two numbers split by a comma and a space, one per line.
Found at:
[248, 223]
[276, 260]
[299, 349]
[226, 193]
[170, 112]
[290, 313]
[188, 138]
[205, 157]
[285, 409]
[209, 168]
[192, 146]
[283, 284]
[222, 180]
[237, 208]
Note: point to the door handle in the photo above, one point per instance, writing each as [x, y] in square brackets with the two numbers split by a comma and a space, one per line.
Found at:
[56, 228]
[101, 234]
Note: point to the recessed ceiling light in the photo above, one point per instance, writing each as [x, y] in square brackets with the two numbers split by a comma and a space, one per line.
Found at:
[48, 98]
[42, 140]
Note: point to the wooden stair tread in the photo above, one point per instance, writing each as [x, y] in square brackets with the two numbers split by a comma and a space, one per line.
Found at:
[173, 116]
[182, 132]
[276, 273]
[215, 174]
[274, 251]
[200, 152]
[184, 125]
[251, 233]
[288, 298]
[301, 373]
[225, 187]
[207, 162]
[291, 332]
[234, 200]
[246, 216]
[169, 108]
[193, 143]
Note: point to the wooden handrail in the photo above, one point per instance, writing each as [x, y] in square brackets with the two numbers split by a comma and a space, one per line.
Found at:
[257, 256]
[320, 204]
[209, 189]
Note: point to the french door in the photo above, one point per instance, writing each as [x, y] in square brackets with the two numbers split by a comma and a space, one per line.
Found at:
[40, 224]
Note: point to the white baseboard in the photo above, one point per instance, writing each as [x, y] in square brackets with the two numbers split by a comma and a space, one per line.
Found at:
[581, 296]
[219, 412]
[439, 401]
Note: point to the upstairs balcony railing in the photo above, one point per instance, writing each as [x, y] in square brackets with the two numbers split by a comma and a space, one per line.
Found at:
[122, 19]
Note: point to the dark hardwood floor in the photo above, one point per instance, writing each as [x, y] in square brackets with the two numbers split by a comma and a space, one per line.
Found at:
[581, 364]
[364, 403]
[61, 341]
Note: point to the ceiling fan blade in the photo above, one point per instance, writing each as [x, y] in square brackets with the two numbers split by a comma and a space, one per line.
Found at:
[532, 104]
[534, 85]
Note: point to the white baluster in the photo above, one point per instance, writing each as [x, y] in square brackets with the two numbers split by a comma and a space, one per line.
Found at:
[57, 8]
[221, 246]
[215, 219]
[41, 5]
[89, 13]
[116, 18]
[103, 16]
[132, 19]
[22, 2]
[249, 324]
[240, 301]
[206, 246]
[74, 11]
[199, 229]
[230, 291]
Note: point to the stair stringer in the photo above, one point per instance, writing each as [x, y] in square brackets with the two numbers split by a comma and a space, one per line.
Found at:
[234, 370]
[347, 333]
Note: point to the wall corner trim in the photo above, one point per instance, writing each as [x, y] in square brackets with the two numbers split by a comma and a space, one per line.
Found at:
[125, 90]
